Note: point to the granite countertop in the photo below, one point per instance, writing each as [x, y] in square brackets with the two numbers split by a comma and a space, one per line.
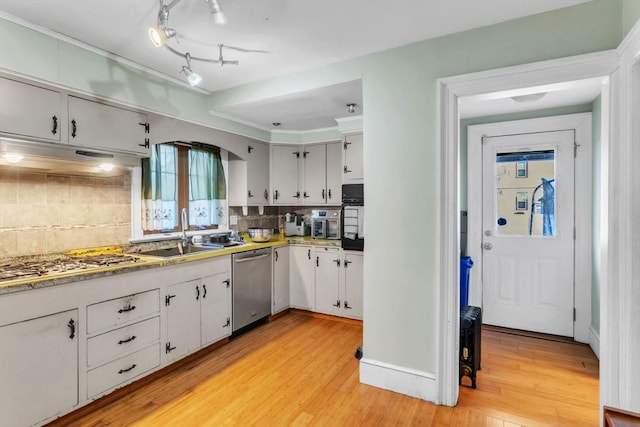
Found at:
[144, 262]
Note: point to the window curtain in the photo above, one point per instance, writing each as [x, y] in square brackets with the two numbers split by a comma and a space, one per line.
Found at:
[160, 188]
[207, 188]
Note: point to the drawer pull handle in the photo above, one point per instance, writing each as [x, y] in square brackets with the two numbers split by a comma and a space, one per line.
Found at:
[133, 337]
[55, 125]
[126, 309]
[122, 371]
[204, 288]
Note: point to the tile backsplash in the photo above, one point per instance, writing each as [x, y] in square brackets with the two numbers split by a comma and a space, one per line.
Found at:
[272, 217]
[47, 213]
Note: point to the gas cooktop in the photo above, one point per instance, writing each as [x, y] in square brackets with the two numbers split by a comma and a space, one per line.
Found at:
[60, 265]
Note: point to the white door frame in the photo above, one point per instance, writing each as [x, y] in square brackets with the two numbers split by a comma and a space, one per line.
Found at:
[581, 123]
[449, 90]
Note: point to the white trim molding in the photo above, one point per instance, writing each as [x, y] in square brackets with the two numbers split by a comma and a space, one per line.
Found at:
[411, 382]
[594, 341]
[450, 89]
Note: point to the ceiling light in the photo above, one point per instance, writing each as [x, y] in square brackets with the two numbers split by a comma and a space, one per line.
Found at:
[218, 15]
[107, 167]
[13, 157]
[276, 124]
[531, 97]
[351, 108]
[192, 77]
[159, 36]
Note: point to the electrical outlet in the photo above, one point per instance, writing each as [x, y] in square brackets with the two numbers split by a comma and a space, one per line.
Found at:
[233, 219]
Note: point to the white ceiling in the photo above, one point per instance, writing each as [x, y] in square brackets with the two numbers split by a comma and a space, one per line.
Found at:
[298, 34]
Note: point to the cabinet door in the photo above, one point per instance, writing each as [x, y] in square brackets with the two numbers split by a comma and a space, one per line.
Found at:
[301, 275]
[101, 126]
[328, 281]
[39, 368]
[183, 319]
[257, 173]
[284, 175]
[215, 308]
[334, 173]
[353, 169]
[281, 288]
[314, 158]
[353, 283]
[29, 110]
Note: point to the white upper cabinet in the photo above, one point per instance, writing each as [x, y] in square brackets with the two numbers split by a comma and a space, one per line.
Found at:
[334, 173]
[30, 111]
[306, 174]
[284, 174]
[352, 160]
[257, 173]
[105, 127]
[314, 159]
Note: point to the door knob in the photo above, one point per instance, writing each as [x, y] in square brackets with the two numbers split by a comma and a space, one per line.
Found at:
[488, 246]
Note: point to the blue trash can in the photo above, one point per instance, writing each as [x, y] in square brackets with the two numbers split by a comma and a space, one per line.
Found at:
[465, 265]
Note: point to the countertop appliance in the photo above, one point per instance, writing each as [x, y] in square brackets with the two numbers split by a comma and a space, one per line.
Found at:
[295, 225]
[251, 291]
[352, 217]
[325, 224]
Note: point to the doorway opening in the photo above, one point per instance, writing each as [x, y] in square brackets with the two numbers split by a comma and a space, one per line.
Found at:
[510, 82]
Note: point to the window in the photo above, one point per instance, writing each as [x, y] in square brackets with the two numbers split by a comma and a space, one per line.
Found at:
[183, 176]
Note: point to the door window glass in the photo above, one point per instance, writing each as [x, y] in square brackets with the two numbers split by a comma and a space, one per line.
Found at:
[525, 193]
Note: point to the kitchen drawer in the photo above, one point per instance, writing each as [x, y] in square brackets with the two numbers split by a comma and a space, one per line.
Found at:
[108, 314]
[111, 345]
[109, 376]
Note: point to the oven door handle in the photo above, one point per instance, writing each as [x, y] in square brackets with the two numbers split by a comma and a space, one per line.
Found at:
[251, 258]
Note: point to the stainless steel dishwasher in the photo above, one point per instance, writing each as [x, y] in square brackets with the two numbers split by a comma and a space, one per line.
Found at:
[251, 287]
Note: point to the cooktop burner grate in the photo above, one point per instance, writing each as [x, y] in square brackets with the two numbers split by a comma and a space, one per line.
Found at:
[31, 269]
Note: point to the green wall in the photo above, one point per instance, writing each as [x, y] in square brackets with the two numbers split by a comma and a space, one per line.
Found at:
[630, 14]
[401, 157]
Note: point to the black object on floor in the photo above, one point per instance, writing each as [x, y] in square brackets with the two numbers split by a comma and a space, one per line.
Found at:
[358, 353]
[470, 342]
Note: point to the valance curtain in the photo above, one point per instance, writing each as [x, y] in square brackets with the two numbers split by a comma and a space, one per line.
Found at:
[207, 188]
[160, 188]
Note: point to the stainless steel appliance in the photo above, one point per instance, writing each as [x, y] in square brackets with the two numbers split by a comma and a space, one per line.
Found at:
[251, 287]
[325, 224]
[352, 217]
[295, 225]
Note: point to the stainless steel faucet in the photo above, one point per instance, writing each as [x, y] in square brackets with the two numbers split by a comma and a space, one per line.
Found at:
[184, 223]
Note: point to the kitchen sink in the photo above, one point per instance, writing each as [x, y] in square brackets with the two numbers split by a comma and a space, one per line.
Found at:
[175, 251]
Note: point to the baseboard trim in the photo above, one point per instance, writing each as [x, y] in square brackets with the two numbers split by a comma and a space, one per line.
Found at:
[594, 341]
[411, 382]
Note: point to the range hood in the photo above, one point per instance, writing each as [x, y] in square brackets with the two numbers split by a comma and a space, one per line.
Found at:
[64, 159]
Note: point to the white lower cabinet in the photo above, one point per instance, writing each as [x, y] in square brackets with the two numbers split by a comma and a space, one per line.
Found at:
[123, 340]
[351, 284]
[38, 368]
[327, 275]
[302, 277]
[198, 313]
[281, 288]
[122, 370]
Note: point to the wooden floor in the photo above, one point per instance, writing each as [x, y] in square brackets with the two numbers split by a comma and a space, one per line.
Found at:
[299, 370]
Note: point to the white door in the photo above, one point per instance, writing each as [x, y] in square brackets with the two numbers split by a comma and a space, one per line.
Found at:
[528, 231]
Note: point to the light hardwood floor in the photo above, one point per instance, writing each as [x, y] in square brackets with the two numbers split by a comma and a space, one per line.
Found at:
[299, 370]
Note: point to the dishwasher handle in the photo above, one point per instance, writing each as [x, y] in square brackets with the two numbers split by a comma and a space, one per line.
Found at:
[251, 258]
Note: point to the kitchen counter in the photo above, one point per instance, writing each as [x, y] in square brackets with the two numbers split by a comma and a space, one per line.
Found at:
[145, 262]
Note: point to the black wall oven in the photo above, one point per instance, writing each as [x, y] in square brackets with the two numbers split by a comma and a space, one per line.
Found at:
[352, 217]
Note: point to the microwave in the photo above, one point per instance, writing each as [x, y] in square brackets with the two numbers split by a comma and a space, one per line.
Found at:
[325, 224]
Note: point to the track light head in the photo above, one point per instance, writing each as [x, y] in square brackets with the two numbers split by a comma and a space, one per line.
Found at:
[159, 35]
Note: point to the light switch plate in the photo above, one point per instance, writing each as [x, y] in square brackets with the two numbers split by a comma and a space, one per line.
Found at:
[233, 219]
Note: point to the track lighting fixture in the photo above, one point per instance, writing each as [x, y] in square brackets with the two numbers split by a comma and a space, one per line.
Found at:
[351, 108]
[192, 77]
[161, 34]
